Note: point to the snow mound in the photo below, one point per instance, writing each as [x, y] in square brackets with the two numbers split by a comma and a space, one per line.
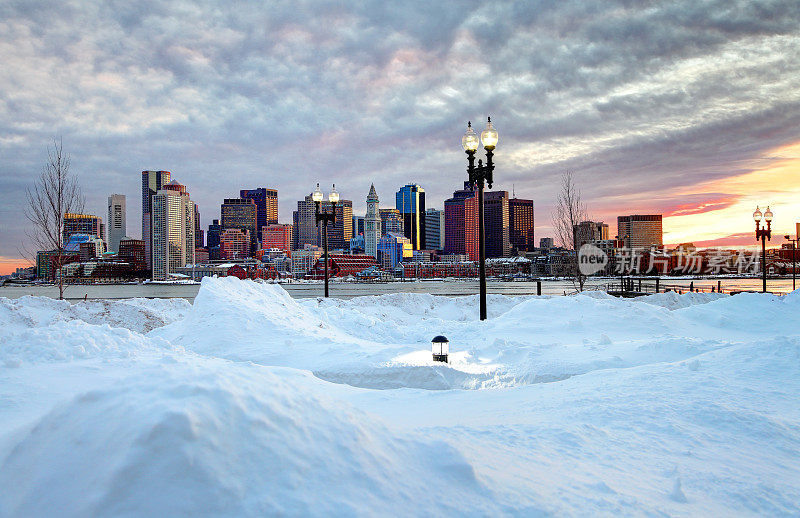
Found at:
[234, 440]
[139, 315]
[673, 300]
[75, 340]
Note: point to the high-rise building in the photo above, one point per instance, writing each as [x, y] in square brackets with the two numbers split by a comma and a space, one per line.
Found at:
[393, 249]
[391, 221]
[214, 230]
[309, 233]
[117, 226]
[461, 223]
[358, 225]
[277, 236]
[410, 201]
[434, 229]
[590, 232]
[152, 182]
[132, 251]
[172, 230]
[234, 243]
[546, 243]
[496, 224]
[640, 231]
[198, 232]
[520, 223]
[372, 224]
[266, 201]
[83, 224]
[241, 213]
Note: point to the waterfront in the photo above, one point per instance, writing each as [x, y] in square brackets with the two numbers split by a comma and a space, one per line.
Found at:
[348, 290]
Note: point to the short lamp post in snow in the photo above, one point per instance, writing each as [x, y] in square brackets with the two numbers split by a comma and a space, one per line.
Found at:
[763, 234]
[440, 347]
[477, 176]
[325, 217]
[794, 258]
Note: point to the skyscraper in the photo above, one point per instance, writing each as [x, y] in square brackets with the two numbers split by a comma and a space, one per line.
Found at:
[391, 221]
[198, 232]
[117, 227]
[640, 231]
[172, 230]
[496, 223]
[589, 231]
[277, 236]
[372, 224]
[410, 201]
[214, 230]
[434, 229]
[241, 213]
[461, 223]
[266, 201]
[152, 182]
[83, 224]
[520, 222]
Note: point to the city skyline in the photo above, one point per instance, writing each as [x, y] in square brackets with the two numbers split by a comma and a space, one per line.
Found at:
[681, 109]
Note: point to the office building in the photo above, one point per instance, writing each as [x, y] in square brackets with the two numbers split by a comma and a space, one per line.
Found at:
[131, 250]
[242, 214]
[434, 229]
[590, 232]
[304, 260]
[83, 224]
[520, 223]
[461, 223]
[172, 230]
[117, 226]
[393, 249]
[358, 225]
[277, 236]
[391, 221]
[266, 201]
[546, 243]
[234, 244]
[199, 242]
[152, 182]
[640, 231]
[214, 230]
[372, 224]
[410, 201]
[496, 224]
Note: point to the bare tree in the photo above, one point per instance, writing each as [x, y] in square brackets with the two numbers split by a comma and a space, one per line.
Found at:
[569, 212]
[55, 193]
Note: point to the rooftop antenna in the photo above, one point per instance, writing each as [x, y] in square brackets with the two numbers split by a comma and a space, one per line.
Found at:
[513, 192]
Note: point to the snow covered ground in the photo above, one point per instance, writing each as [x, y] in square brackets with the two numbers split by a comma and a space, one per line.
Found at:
[251, 403]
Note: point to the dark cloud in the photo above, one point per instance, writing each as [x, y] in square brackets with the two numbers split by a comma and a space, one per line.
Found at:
[632, 96]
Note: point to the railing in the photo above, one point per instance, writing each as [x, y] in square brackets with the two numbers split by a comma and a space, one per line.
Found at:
[634, 287]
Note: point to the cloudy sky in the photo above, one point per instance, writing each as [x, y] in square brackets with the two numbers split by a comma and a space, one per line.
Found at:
[688, 108]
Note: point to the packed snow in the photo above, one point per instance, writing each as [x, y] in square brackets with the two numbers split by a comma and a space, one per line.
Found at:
[251, 403]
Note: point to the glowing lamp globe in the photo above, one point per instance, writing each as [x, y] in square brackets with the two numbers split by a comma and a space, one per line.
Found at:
[470, 139]
[333, 197]
[757, 215]
[768, 215]
[489, 136]
[317, 195]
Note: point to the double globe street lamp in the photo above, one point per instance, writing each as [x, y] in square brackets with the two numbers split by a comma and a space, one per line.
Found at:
[794, 258]
[477, 176]
[763, 234]
[325, 217]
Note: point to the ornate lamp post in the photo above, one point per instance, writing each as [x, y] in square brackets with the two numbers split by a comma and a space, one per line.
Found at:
[325, 217]
[477, 176]
[794, 257]
[763, 234]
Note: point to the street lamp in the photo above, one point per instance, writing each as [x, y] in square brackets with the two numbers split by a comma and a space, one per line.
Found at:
[794, 252]
[763, 234]
[478, 175]
[325, 217]
[440, 347]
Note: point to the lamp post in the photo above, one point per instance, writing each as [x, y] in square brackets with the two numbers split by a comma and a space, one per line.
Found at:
[325, 217]
[477, 176]
[794, 252]
[763, 234]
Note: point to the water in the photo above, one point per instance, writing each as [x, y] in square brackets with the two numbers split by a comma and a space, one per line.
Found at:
[349, 290]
